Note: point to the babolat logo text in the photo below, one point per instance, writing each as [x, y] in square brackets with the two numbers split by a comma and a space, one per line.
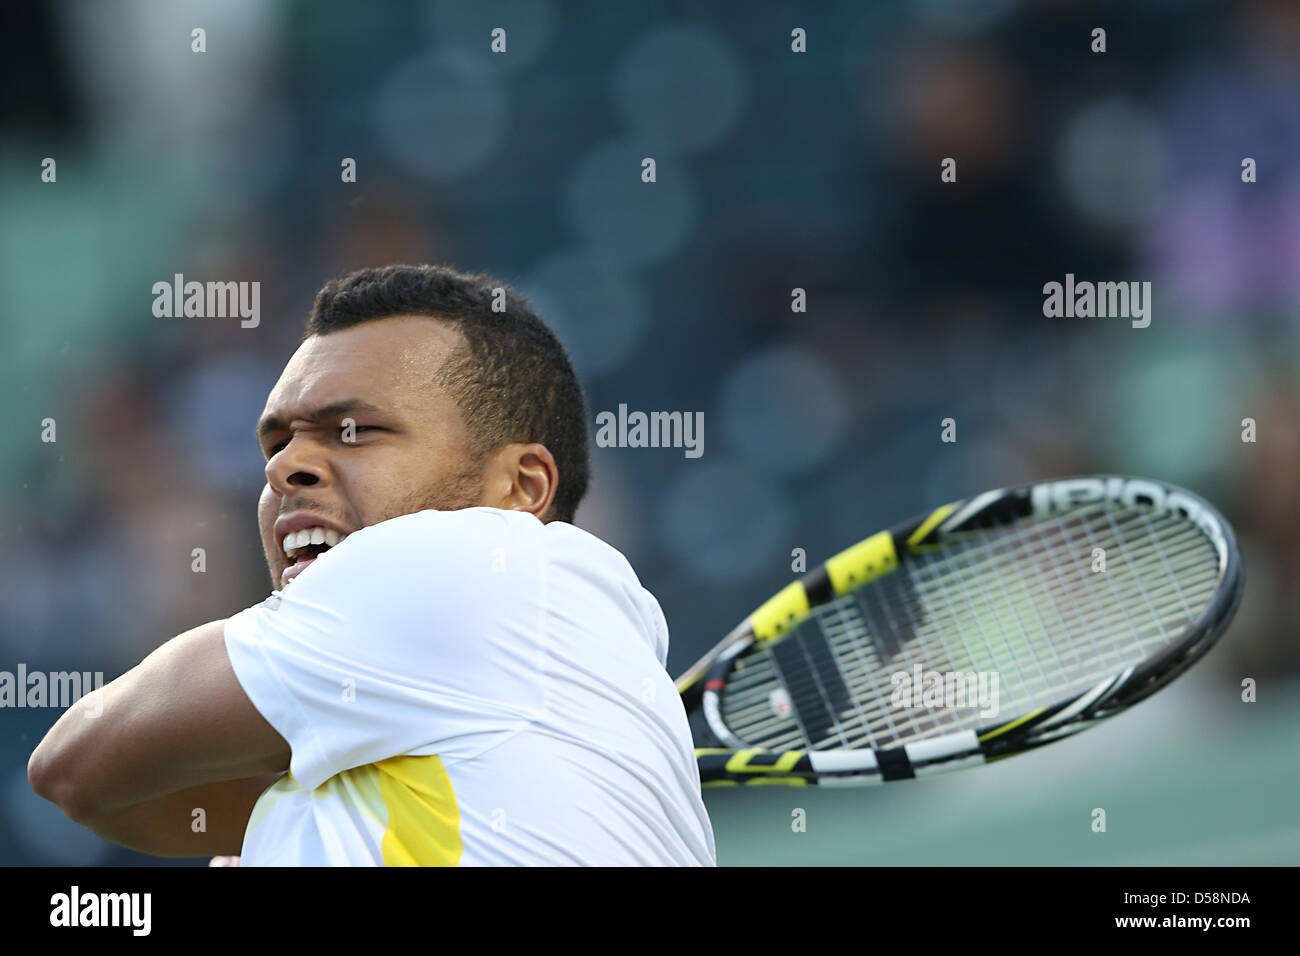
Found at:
[1103, 300]
[49, 689]
[653, 430]
[1070, 493]
[102, 909]
[948, 690]
[208, 300]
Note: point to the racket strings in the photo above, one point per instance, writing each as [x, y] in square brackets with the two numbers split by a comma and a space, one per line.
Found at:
[878, 695]
[840, 621]
[1018, 601]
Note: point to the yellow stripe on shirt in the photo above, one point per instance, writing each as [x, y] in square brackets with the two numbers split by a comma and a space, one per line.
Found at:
[423, 818]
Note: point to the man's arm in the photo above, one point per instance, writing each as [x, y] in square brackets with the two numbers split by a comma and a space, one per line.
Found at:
[178, 720]
[170, 825]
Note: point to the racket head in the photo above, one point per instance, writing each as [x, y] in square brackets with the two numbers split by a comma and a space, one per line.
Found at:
[1005, 583]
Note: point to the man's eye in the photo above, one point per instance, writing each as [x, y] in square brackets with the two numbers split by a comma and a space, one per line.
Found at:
[281, 445]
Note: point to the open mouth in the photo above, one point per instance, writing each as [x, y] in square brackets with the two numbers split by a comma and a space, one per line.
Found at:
[305, 546]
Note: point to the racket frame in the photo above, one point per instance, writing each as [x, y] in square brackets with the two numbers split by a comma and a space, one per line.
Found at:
[737, 763]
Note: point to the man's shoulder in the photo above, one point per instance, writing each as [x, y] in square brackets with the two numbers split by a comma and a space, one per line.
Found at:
[564, 540]
[466, 521]
[502, 527]
[474, 553]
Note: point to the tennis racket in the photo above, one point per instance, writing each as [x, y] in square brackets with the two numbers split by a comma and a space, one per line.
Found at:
[1072, 599]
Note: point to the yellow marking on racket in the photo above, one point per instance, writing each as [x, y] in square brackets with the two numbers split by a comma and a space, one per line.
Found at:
[784, 764]
[928, 525]
[1011, 726]
[687, 681]
[780, 612]
[863, 562]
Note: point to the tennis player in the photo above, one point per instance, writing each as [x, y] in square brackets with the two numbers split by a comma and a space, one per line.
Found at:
[447, 670]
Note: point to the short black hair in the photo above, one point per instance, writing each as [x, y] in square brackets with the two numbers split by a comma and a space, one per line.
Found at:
[513, 380]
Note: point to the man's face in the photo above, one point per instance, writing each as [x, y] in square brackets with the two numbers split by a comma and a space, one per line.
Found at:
[410, 450]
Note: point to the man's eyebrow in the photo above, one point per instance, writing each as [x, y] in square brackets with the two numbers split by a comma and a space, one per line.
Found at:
[273, 423]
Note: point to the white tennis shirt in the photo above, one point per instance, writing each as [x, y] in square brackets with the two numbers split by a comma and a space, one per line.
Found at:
[470, 688]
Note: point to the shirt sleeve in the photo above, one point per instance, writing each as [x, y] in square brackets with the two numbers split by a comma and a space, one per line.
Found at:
[424, 632]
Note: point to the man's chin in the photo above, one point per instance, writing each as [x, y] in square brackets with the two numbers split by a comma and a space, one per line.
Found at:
[276, 572]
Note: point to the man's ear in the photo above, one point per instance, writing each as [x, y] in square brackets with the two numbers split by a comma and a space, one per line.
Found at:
[522, 477]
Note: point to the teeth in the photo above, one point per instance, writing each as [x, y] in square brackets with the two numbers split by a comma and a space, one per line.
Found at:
[296, 540]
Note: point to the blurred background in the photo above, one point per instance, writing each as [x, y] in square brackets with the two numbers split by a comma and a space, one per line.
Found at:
[776, 170]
